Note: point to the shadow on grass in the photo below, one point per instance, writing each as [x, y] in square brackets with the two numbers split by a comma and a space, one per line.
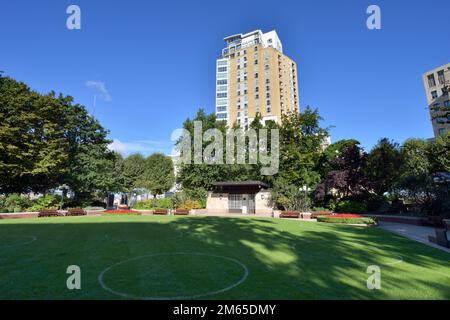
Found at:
[285, 259]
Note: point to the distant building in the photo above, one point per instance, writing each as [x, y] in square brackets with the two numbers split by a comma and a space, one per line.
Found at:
[437, 85]
[246, 197]
[253, 76]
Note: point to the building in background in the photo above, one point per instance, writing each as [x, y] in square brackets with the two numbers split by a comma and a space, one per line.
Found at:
[437, 85]
[255, 77]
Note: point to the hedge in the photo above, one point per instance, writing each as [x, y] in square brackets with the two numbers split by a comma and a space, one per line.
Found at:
[327, 219]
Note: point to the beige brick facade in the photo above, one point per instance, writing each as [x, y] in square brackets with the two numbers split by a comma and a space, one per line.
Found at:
[437, 83]
[260, 79]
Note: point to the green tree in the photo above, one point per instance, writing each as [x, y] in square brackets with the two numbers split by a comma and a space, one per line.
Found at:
[416, 181]
[91, 165]
[133, 170]
[439, 154]
[193, 176]
[383, 165]
[159, 175]
[47, 141]
[32, 139]
[301, 141]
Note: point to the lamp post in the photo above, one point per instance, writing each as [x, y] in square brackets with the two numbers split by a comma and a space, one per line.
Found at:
[305, 190]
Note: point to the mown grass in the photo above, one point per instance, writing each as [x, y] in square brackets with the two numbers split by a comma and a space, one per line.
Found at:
[169, 257]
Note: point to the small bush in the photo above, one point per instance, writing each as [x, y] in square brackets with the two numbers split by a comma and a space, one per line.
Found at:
[190, 205]
[150, 204]
[189, 199]
[198, 194]
[16, 203]
[377, 203]
[46, 202]
[350, 206]
[164, 203]
[144, 205]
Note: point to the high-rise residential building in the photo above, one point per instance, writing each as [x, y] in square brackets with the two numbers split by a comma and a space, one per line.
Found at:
[437, 86]
[255, 77]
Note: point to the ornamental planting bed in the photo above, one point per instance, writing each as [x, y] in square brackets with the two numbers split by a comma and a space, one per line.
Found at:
[121, 213]
[347, 218]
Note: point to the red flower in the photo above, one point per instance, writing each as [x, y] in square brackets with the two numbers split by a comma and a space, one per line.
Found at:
[120, 211]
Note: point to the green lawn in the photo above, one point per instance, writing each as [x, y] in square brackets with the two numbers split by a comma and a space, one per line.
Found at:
[213, 258]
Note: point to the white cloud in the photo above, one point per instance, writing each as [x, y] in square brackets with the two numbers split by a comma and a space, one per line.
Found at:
[100, 88]
[144, 147]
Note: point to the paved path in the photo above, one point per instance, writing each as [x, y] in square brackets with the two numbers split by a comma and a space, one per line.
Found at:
[417, 233]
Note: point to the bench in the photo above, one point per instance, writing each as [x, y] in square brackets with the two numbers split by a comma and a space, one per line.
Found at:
[440, 238]
[49, 213]
[76, 212]
[162, 212]
[290, 215]
[181, 212]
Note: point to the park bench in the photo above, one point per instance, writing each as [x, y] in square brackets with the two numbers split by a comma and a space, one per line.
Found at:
[76, 212]
[440, 238]
[161, 212]
[49, 213]
[290, 215]
[181, 212]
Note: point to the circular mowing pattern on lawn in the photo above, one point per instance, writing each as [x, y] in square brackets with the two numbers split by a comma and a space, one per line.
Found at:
[173, 276]
[16, 241]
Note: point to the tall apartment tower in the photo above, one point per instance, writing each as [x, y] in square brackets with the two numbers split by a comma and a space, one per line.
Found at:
[255, 77]
[437, 86]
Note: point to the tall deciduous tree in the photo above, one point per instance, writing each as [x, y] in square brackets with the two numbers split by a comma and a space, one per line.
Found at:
[348, 179]
[133, 170]
[159, 175]
[32, 139]
[47, 141]
[383, 165]
[301, 141]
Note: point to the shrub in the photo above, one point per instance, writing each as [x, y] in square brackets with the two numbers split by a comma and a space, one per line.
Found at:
[190, 204]
[46, 202]
[350, 206]
[190, 199]
[16, 203]
[198, 194]
[377, 203]
[144, 205]
[165, 203]
[344, 220]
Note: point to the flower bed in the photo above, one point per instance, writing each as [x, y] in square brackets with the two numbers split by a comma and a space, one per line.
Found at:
[347, 219]
[121, 212]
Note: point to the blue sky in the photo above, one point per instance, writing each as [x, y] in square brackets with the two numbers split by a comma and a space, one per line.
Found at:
[151, 64]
